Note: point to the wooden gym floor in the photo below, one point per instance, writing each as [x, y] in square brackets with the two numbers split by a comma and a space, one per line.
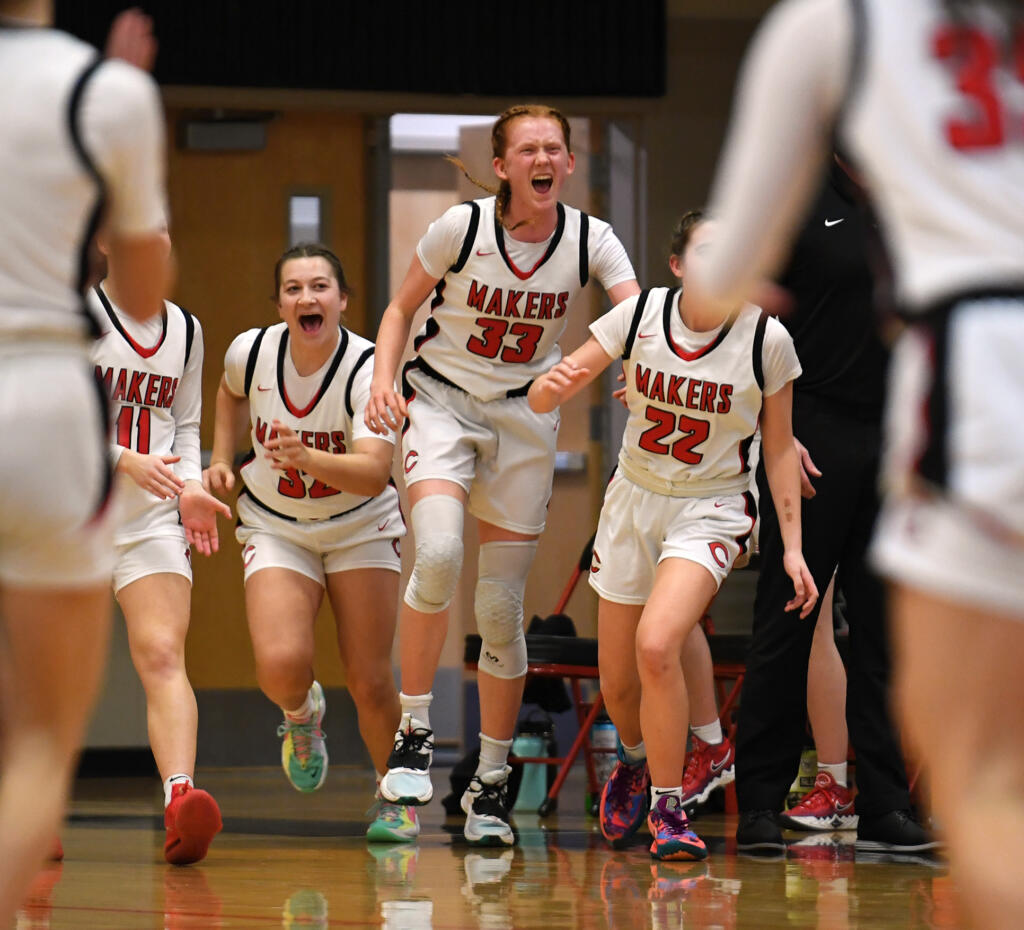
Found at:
[301, 861]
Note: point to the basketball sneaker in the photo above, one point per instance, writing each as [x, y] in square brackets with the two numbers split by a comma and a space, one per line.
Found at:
[707, 767]
[407, 780]
[191, 821]
[304, 749]
[306, 908]
[485, 803]
[624, 800]
[392, 823]
[673, 838]
[828, 806]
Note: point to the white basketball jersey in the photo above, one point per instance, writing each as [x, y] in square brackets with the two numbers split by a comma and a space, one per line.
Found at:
[936, 120]
[494, 327]
[692, 415]
[142, 383]
[327, 422]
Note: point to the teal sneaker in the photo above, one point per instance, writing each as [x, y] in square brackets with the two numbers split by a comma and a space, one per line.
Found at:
[392, 823]
[304, 750]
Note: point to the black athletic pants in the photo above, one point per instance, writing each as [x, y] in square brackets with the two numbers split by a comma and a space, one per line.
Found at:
[837, 527]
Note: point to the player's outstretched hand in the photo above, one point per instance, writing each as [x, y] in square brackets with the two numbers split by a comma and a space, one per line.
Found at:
[385, 409]
[199, 509]
[152, 472]
[131, 39]
[219, 478]
[805, 594]
[549, 390]
[285, 450]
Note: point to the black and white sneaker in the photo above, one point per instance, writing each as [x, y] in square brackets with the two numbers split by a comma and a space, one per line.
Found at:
[895, 831]
[758, 832]
[407, 780]
[485, 803]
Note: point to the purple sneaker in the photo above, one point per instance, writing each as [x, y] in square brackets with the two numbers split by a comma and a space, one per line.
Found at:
[624, 801]
[673, 838]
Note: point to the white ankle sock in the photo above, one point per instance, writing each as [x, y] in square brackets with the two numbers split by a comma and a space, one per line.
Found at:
[634, 754]
[657, 793]
[493, 754]
[171, 782]
[709, 732]
[837, 770]
[417, 706]
[304, 713]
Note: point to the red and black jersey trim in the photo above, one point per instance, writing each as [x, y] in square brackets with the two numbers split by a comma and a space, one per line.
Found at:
[470, 238]
[367, 354]
[751, 511]
[757, 352]
[499, 237]
[584, 249]
[666, 316]
[634, 325]
[103, 408]
[250, 362]
[283, 516]
[95, 214]
[430, 330]
[937, 324]
[324, 385]
[142, 351]
[417, 364]
[744, 450]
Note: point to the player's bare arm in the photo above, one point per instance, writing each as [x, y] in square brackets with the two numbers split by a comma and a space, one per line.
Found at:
[231, 420]
[782, 467]
[386, 407]
[568, 377]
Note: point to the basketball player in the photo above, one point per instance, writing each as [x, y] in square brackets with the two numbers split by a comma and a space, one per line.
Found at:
[316, 512]
[926, 96]
[503, 271]
[152, 372]
[677, 514]
[77, 134]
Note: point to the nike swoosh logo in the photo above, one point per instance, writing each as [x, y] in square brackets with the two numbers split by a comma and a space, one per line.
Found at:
[834, 222]
[260, 387]
[840, 808]
[645, 335]
[719, 504]
[482, 252]
[717, 767]
[385, 523]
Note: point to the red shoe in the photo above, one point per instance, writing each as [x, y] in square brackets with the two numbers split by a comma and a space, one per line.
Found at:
[56, 853]
[37, 908]
[707, 767]
[828, 806]
[192, 820]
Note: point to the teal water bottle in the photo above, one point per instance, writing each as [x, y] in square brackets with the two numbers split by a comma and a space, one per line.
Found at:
[604, 739]
[533, 789]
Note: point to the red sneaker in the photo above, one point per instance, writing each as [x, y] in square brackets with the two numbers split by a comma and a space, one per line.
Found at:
[707, 767]
[828, 806]
[56, 853]
[192, 820]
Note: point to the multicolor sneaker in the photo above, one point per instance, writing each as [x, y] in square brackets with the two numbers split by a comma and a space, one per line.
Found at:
[407, 780]
[673, 838]
[707, 767]
[304, 750]
[306, 908]
[485, 803]
[392, 823]
[828, 806]
[624, 800]
[191, 820]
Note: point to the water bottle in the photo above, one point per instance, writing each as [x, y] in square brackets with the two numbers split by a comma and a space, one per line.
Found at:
[603, 736]
[533, 789]
[805, 776]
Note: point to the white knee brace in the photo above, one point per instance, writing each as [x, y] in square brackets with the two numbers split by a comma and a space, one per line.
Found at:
[499, 606]
[437, 525]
